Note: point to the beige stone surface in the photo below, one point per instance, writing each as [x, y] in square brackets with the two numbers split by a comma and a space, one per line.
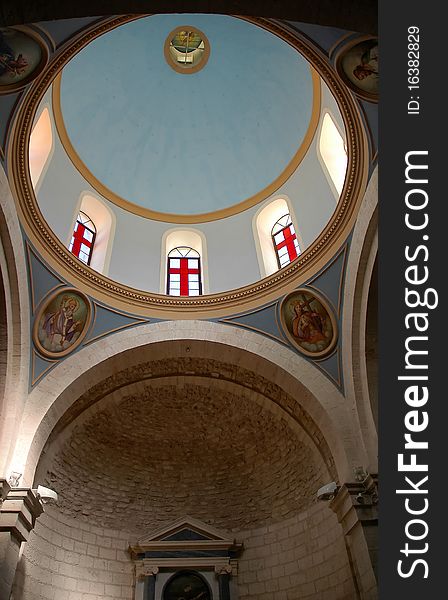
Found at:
[301, 557]
[155, 451]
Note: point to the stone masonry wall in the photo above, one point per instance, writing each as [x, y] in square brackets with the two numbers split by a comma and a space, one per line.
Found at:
[149, 454]
[66, 559]
[302, 558]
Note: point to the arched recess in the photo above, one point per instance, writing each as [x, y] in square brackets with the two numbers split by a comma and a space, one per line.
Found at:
[15, 312]
[302, 385]
[205, 428]
[104, 220]
[359, 279]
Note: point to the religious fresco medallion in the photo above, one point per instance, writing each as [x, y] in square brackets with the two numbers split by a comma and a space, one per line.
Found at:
[22, 58]
[357, 65]
[61, 322]
[309, 322]
[186, 586]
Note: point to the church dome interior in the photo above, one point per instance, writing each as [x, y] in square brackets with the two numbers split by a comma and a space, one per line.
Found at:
[188, 328]
[156, 158]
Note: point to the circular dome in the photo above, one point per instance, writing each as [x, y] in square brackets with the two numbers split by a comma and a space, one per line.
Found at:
[163, 145]
[266, 110]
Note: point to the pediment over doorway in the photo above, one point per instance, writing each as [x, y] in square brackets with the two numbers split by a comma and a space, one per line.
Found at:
[186, 535]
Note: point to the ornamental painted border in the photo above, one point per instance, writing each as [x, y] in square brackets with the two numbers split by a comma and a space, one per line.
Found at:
[307, 264]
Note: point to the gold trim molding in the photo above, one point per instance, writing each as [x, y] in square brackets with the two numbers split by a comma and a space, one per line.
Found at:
[148, 213]
[251, 296]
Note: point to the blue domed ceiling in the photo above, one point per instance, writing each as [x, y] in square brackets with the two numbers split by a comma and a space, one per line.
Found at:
[183, 143]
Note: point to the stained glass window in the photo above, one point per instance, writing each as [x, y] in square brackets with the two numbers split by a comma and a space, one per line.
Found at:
[83, 238]
[185, 42]
[285, 241]
[187, 50]
[184, 272]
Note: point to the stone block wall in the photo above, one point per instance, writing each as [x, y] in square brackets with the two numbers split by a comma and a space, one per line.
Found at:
[66, 559]
[302, 558]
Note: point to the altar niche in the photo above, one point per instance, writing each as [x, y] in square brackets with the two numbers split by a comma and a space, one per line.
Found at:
[188, 560]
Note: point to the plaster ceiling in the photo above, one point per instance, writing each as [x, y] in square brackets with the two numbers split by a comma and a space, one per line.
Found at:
[187, 143]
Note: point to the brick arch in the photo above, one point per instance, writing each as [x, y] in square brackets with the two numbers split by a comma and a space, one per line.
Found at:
[296, 381]
[354, 15]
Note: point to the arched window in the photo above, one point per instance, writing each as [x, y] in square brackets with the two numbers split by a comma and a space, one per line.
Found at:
[333, 152]
[285, 241]
[277, 240]
[103, 218]
[40, 146]
[83, 238]
[184, 272]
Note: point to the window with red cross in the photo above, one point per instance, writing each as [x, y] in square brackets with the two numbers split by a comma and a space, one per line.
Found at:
[83, 238]
[285, 241]
[184, 272]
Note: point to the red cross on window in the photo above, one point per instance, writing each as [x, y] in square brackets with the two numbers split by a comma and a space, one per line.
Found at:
[285, 241]
[83, 238]
[184, 272]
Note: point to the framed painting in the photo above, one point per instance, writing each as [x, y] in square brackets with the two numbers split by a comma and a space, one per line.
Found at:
[309, 322]
[61, 322]
[23, 55]
[186, 585]
[357, 65]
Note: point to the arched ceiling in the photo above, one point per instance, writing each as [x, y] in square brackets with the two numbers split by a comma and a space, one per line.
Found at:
[155, 451]
[187, 143]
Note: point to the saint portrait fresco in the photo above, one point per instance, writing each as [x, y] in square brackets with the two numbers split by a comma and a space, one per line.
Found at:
[357, 64]
[21, 58]
[186, 586]
[61, 322]
[309, 322]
